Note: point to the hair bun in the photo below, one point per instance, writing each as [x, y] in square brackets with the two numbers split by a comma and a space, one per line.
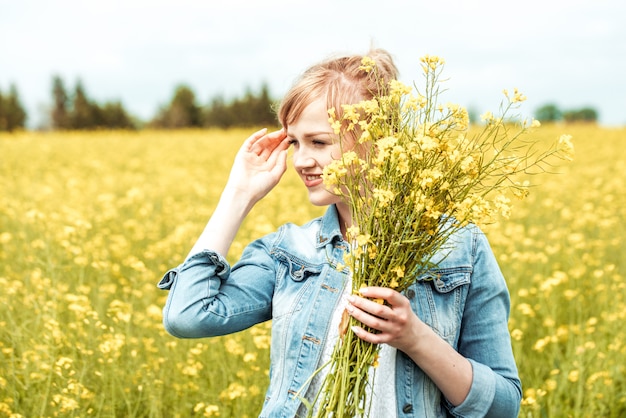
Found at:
[384, 62]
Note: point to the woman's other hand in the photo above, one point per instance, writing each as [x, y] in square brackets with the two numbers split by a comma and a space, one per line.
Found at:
[400, 327]
[395, 321]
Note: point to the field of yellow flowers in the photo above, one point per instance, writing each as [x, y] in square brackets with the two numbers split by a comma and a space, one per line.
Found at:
[90, 221]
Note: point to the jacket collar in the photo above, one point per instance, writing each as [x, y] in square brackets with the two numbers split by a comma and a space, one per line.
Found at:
[329, 230]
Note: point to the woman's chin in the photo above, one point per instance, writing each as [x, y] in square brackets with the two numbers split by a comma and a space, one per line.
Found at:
[324, 198]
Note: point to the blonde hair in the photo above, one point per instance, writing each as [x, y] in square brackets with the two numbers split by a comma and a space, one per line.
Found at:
[338, 80]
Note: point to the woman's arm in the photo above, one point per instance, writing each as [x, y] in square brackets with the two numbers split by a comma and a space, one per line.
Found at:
[202, 294]
[258, 167]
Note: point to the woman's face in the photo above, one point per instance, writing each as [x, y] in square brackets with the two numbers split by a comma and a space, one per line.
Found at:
[314, 146]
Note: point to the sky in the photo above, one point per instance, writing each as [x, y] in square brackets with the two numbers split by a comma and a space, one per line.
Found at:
[568, 53]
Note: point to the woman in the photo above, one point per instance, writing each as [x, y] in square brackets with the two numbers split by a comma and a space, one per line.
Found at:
[445, 341]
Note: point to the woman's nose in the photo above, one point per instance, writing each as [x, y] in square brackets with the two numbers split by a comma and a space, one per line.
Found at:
[301, 159]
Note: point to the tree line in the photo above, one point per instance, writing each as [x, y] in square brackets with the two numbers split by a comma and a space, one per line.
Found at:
[552, 113]
[77, 111]
[12, 113]
[74, 110]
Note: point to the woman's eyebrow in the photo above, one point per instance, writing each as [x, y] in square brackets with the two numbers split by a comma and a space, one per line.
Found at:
[312, 134]
[318, 133]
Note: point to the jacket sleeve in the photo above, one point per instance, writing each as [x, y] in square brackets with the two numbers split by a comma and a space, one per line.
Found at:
[485, 340]
[207, 298]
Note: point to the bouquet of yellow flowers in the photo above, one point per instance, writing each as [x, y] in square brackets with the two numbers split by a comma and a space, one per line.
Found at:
[413, 173]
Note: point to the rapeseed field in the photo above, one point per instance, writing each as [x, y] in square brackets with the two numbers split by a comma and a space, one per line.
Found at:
[89, 221]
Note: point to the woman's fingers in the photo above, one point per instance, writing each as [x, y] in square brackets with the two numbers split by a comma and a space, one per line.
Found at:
[264, 145]
[382, 309]
[369, 312]
[252, 139]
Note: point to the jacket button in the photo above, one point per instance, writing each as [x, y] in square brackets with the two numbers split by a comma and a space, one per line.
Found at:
[407, 408]
[410, 293]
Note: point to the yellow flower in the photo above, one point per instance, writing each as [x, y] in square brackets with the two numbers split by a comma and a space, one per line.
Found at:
[375, 363]
[333, 172]
[335, 125]
[367, 64]
[386, 143]
[427, 143]
[487, 117]
[65, 403]
[431, 62]
[399, 270]
[573, 376]
[374, 173]
[351, 158]
[469, 165]
[517, 97]
[365, 136]
[520, 191]
[566, 147]
[383, 196]
[502, 204]
[363, 239]
[428, 177]
[551, 385]
[411, 104]
[517, 334]
[262, 342]
[352, 232]
[398, 88]
[372, 251]
[234, 346]
[234, 391]
[370, 107]
[249, 357]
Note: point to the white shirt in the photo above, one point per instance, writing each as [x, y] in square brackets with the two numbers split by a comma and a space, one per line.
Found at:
[382, 398]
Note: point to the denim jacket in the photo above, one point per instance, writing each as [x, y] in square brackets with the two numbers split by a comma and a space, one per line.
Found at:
[291, 278]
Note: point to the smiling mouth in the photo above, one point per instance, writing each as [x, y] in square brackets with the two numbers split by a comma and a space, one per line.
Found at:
[312, 180]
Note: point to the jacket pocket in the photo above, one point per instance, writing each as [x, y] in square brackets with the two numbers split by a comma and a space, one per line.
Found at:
[440, 299]
[294, 285]
[298, 270]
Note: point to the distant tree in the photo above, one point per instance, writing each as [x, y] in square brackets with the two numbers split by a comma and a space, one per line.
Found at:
[182, 111]
[84, 114]
[60, 109]
[12, 113]
[263, 108]
[18, 115]
[473, 114]
[548, 113]
[4, 122]
[250, 110]
[585, 114]
[243, 109]
[219, 114]
[80, 112]
[114, 116]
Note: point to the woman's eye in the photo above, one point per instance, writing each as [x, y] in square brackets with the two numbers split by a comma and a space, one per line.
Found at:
[293, 142]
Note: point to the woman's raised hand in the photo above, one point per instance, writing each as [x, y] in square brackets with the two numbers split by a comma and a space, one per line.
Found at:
[259, 164]
[258, 167]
